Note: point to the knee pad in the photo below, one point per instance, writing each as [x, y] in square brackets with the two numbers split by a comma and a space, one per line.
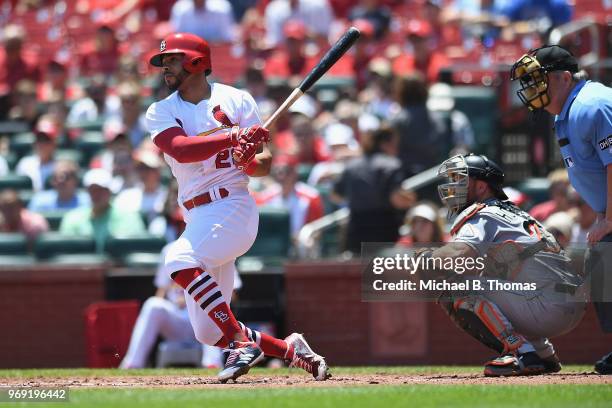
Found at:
[484, 321]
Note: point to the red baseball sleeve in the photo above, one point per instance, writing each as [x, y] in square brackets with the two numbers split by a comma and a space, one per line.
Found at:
[176, 144]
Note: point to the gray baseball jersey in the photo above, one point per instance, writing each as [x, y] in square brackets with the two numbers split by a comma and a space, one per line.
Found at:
[490, 225]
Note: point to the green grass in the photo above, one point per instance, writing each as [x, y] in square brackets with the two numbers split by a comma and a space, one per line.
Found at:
[420, 395]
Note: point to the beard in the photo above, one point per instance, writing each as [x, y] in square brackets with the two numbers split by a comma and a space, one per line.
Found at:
[178, 81]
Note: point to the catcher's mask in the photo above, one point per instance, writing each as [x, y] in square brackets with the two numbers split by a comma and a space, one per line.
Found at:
[458, 170]
[454, 194]
[531, 70]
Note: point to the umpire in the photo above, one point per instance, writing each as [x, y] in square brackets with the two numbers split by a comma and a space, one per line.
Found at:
[549, 79]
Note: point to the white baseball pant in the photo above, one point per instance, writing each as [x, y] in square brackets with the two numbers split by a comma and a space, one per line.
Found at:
[215, 235]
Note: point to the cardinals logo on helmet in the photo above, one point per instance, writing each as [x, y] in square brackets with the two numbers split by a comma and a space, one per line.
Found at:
[162, 46]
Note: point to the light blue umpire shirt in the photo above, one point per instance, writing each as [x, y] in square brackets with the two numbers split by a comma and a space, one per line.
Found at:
[584, 134]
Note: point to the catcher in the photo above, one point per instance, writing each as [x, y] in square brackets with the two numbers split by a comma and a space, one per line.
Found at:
[518, 253]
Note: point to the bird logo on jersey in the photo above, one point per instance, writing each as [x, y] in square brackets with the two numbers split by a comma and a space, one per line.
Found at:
[220, 117]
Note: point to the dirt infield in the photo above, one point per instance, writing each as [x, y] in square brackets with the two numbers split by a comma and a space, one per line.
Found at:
[281, 381]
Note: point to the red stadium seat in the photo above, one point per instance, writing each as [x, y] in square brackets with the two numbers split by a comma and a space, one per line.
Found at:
[108, 328]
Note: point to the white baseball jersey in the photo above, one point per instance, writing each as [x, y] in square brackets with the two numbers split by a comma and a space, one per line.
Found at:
[218, 171]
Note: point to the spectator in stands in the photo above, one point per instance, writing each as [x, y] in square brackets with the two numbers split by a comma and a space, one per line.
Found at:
[517, 197]
[25, 106]
[340, 140]
[292, 60]
[55, 82]
[148, 196]
[101, 56]
[346, 112]
[132, 116]
[102, 219]
[560, 195]
[57, 111]
[40, 165]
[255, 84]
[432, 12]
[96, 106]
[560, 225]
[377, 97]
[4, 167]
[424, 225]
[355, 63]
[240, 7]
[375, 13]
[302, 139]
[421, 136]
[209, 19]
[169, 224]
[128, 70]
[15, 218]
[423, 57]
[303, 202]
[315, 15]
[371, 187]
[585, 221]
[15, 64]
[478, 19]
[547, 13]
[459, 136]
[64, 194]
[117, 158]
[367, 125]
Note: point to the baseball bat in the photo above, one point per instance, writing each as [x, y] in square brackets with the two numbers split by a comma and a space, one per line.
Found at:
[329, 59]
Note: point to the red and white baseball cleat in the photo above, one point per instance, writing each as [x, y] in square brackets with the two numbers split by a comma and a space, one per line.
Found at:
[243, 356]
[306, 359]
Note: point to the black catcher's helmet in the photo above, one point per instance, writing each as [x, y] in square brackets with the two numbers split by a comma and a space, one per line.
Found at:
[457, 171]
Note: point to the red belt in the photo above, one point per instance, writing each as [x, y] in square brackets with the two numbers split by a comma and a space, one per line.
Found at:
[203, 199]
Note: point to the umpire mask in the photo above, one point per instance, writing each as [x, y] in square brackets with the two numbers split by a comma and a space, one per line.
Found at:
[533, 82]
[454, 194]
[531, 70]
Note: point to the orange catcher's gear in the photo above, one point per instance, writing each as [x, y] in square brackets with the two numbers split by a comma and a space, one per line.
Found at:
[194, 48]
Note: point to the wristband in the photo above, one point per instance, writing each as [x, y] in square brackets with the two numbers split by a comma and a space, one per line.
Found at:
[251, 167]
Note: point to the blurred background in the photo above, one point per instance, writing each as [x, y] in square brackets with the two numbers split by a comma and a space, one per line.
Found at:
[427, 79]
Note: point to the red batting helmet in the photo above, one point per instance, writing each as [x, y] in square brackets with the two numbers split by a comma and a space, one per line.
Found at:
[195, 49]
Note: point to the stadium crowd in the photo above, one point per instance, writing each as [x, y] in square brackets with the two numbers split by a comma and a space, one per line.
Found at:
[74, 84]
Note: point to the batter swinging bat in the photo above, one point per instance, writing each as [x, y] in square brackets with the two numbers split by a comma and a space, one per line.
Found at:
[329, 59]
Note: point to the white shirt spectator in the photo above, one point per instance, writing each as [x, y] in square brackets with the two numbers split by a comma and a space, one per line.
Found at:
[30, 166]
[137, 200]
[316, 15]
[214, 22]
[85, 110]
[4, 168]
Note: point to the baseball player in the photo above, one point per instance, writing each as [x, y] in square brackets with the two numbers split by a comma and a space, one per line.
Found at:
[211, 137]
[515, 323]
[549, 79]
